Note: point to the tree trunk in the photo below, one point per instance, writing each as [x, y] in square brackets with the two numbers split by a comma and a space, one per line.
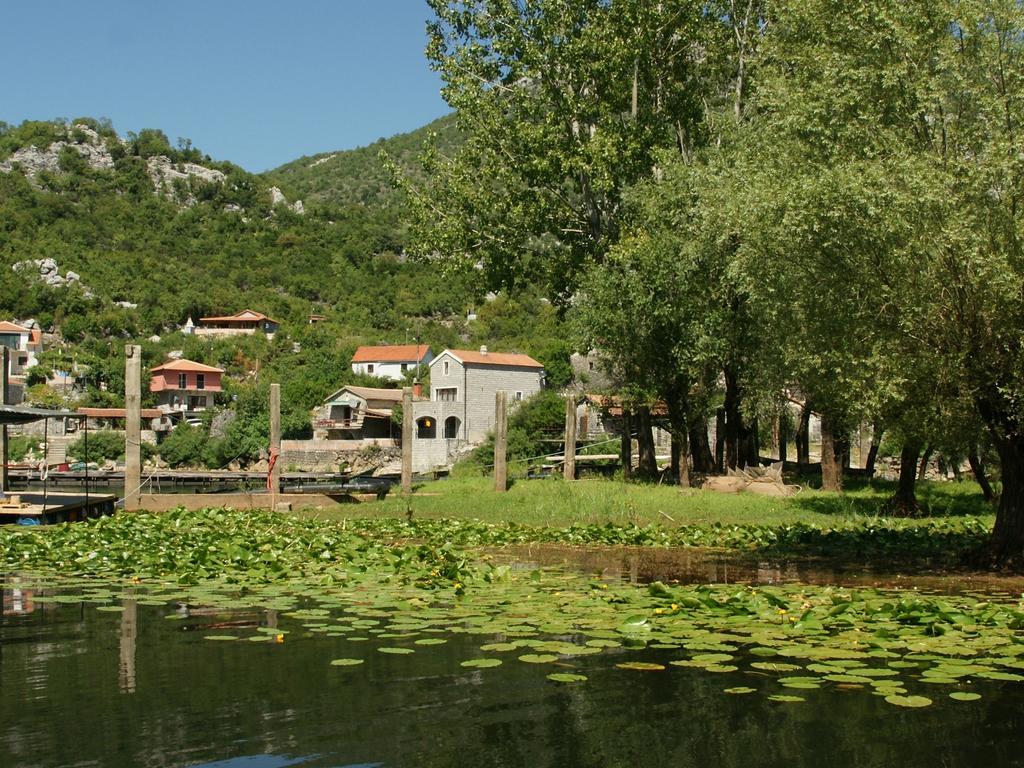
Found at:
[803, 436]
[700, 446]
[979, 474]
[626, 447]
[876, 441]
[783, 432]
[831, 466]
[1007, 542]
[648, 462]
[904, 501]
[740, 445]
[750, 441]
[720, 440]
[924, 462]
[678, 425]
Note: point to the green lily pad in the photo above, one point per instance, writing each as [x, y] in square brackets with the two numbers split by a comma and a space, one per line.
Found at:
[346, 662]
[538, 658]
[219, 637]
[909, 701]
[964, 696]
[785, 698]
[482, 663]
[430, 641]
[740, 689]
[644, 666]
[566, 677]
[396, 650]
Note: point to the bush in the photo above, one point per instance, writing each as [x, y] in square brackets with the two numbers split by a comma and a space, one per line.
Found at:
[536, 418]
[18, 446]
[184, 445]
[104, 445]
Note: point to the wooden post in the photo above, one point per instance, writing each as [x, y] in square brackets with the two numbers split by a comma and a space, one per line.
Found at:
[627, 445]
[132, 426]
[5, 480]
[275, 444]
[569, 468]
[407, 436]
[500, 441]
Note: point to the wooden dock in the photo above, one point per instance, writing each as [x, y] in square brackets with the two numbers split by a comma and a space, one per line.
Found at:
[58, 507]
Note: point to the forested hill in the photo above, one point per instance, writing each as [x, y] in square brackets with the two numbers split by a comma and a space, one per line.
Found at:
[145, 234]
[180, 234]
[357, 176]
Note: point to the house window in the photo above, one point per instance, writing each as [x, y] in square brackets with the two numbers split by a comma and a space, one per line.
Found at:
[451, 427]
[426, 428]
[369, 367]
[405, 367]
[519, 396]
[200, 381]
[591, 364]
[182, 381]
[445, 366]
[446, 394]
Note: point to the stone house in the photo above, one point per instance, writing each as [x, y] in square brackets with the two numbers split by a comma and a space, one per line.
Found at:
[24, 345]
[358, 413]
[390, 362]
[185, 387]
[460, 410]
[244, 323]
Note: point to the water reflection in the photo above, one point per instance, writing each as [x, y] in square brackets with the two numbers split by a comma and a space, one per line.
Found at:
[129, 631]
[694, 565]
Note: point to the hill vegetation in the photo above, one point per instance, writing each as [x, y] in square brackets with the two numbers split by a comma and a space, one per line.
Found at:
[198, 247]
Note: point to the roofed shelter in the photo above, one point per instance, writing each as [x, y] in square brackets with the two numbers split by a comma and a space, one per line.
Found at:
[244, 323]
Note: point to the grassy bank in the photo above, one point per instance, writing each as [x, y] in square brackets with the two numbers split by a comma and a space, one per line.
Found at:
[556, 503]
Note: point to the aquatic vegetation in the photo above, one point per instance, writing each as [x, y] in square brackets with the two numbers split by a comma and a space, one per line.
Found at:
[352, 581]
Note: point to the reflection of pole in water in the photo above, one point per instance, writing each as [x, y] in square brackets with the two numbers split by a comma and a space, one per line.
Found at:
[129, 631]
[633, 568]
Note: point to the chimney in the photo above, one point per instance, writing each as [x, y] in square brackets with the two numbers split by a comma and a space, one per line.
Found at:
[483, 350]
[417, 389]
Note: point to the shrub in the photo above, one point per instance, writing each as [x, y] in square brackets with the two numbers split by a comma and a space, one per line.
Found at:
[184, 445]
[104, 445]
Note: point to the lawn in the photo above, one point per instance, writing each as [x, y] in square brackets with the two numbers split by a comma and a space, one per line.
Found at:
[553, 502]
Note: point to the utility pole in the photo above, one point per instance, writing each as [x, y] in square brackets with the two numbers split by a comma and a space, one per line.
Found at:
[569, 467]
[132, 426]
[407, 430]
[5, 480]
[275, 444]
[500, 440]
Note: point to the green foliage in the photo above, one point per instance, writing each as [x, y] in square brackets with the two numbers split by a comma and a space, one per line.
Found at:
[184, 446]
[537, 418]
[19, 446]
[104, 445]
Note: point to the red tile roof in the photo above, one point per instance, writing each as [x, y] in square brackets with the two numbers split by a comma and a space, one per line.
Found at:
[245, 316]
[400, 353]
[476, 357]
[186, 365]
[6, 327]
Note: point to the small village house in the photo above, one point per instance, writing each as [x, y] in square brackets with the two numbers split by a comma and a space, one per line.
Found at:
[460, 411]
[391, 362]
[24, 344]
[185, 387]
[244, 323]
[357, 413]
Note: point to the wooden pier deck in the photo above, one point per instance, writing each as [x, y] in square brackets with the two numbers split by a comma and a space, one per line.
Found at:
[58, 507]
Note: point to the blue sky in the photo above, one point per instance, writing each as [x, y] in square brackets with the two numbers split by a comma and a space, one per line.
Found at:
[257, 82]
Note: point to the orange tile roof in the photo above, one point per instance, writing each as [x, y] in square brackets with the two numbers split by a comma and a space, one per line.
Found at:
[7, 327]
[400, 353]
[476, 357]
[186, 365]
[246, 315]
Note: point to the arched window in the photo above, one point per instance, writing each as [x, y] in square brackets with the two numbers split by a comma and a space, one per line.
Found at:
[426, 428]
[451, 427]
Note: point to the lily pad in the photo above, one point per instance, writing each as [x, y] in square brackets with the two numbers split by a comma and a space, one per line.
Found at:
[346, 662]
[643, 666]
[964, 696]
[538, 658]
[909, 701]
[740, 689]
[482, 663]
[396, 650]
[566, 677]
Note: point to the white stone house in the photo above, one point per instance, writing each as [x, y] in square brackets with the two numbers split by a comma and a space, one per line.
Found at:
[244, 323]
[24, 344]
[391, 362]
[358, 413]
[460, 410]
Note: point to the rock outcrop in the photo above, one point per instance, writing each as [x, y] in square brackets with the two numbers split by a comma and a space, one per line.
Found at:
[46, 271]
[277, 198]
[34, 161]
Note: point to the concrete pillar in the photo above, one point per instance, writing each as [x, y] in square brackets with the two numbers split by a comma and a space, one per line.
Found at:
[569, 467]
[500, 440]
[408, 427]
[132, 426]
[275, 443]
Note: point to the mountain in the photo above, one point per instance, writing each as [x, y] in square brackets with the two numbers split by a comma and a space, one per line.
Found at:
[357, 176]
[107, 239]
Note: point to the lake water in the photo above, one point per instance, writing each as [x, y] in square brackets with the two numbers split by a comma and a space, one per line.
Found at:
[129, 686]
